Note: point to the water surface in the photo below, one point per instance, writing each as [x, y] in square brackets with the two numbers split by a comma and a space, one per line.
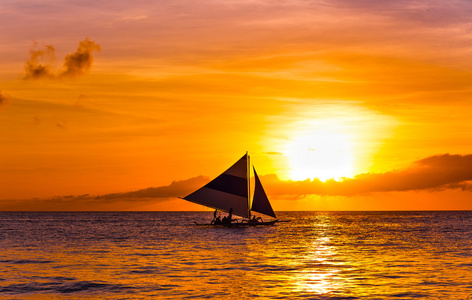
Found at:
[161, 255]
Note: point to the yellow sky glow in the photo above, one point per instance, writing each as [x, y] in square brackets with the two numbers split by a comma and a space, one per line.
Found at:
[329, 140]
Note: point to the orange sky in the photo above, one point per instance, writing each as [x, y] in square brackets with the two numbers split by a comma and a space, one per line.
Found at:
[104, 99]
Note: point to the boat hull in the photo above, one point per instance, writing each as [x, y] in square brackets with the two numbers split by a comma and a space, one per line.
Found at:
[239, 224]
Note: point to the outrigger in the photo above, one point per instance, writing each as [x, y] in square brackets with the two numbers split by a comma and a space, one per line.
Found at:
[230, 192]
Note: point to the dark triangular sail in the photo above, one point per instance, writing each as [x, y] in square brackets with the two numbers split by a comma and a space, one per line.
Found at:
[229, 190]
[261, 203]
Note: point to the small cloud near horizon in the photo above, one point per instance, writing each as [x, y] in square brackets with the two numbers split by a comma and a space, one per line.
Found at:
[3, 99]
[273, 153]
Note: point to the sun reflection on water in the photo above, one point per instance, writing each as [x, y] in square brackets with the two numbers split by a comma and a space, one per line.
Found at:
[319, 268]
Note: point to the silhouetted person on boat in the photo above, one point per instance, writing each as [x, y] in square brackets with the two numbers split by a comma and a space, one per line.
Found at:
[255, 219]
[216, 219]
[229, 218]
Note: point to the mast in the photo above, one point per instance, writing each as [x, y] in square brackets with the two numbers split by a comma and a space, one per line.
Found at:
[248, 185]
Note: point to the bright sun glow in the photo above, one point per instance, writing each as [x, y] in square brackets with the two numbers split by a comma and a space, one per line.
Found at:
[323, 153]
[327, 140]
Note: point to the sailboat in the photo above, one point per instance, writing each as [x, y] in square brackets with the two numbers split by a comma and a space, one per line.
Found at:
[230, 191]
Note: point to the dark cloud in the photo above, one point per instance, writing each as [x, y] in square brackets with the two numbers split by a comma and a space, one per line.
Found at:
[40, 63]
[175, 189]
[127, 201]
[464, 186]
[435, 173]
[66, 203]
[438, 172]
[78, 63]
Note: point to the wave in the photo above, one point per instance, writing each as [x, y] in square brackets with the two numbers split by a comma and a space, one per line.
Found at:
[61, 287]
[25, 261]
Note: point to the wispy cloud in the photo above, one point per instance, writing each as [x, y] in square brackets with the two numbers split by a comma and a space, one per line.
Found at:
[3, 99]
[60, 124]
[40, 64]
[273, 153]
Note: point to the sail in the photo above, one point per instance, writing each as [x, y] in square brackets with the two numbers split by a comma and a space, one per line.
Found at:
[229, 190]
[261, 203]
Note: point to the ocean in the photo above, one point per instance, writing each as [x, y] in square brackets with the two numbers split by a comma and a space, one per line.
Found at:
[163, 255]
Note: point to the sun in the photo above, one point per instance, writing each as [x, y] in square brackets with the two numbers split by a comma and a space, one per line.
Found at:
[327, 139]
[324, 152]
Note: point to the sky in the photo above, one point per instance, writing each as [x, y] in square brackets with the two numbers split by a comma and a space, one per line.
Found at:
[342, 105]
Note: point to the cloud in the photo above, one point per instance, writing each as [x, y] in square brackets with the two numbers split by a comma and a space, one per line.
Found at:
[3, 99]
[435, 173]
[78, 63]
[36, 120]
[438, 172]
[464, 186]
[133, 200]
[175, 189]
[273, 153]
[82, 100]
[60, 124]
[426, 13]
[40, 64]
